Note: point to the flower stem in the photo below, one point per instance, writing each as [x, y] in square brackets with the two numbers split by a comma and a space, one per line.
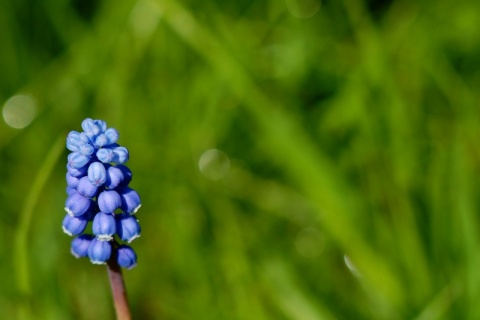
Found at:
[118, 290]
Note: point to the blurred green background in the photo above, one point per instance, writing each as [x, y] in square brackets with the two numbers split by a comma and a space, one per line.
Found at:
[295, 159]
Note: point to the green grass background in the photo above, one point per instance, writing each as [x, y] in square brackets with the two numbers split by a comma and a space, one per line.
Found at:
[352, 135]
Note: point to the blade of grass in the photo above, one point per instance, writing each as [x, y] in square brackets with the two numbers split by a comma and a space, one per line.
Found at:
[20, 252]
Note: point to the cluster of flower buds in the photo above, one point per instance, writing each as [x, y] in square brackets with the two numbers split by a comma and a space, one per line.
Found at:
[98, 191]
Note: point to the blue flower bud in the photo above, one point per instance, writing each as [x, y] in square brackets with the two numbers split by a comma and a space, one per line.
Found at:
[103, 226]
[112, 136]
[71, 190]
[121, 154]
[71, 181]
[127, 175]
[109, 201]
[102, 125]
[99, 251]
[100, 140]
[74, 225]
[77, 160]
[86, 188]
[79, 246]
[128, 228]
[130, 200]
[91, 128]
[97, 174]
[109, 137]
[126, 257]
[86, 149]
[76, 204]
[105, 155]
[114, 177]
[77, 172]
[87, 124]
[84, 138]
[73, 141]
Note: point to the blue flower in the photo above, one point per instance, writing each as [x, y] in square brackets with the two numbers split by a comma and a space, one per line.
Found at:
[93, 128]
[79, 246]
[74, 225]
[76, 172]
[112, 136]
[130, 200]
[99, 251]
[71, 180]
[127, 175]
[103, 226]
[71, 190]
[105, 155]
[109, 137]
[77, 160]
[128, 228]
[114, 177]
[126, 257]
[76, 140]
[97, 187]
[86, 188]
[120, 154]
[76, 204]
[97, 175]
[109, 201]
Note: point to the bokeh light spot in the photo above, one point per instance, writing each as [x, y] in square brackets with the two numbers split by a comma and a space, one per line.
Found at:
[19, 111]
[214, 164]
[309, 242]
[303, 8]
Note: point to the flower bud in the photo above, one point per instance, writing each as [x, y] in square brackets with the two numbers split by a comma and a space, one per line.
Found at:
[130, 200]
[100, 140]
[90, 128]
[128, 228]
[71, 190]
[74, 225]
[77, 172]
[109, 201]
[71, 181]
[97, 173]
[79, 246]
[85, 188]
[73, 141]
[112, 136]
[126, 257]
[102, 125]
[114, 177]
[127, 175]
[85, 149]
[121, 154]
[103, 226]
[105, 155]
[76, 204]
[99, 251]
[77, 160]
[109, 137]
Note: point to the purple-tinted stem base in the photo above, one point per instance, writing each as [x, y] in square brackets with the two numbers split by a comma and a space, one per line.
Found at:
[118, 290]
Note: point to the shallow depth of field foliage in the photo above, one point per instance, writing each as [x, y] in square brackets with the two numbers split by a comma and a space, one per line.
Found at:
[295, 159]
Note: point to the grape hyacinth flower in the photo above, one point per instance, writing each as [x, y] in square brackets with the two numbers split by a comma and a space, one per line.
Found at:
[98, 191]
